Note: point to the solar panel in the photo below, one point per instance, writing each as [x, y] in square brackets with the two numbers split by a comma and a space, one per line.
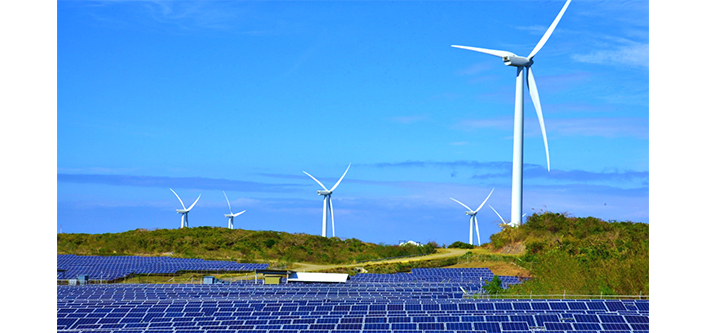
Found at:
[369, 306]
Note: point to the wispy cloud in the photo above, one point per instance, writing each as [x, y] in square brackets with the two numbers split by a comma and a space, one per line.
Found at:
[601, 127]
[179, 182]
[570, 127]
[495, 170]
[239, 17]
[503, 123]
[633, 55]
[476, 68]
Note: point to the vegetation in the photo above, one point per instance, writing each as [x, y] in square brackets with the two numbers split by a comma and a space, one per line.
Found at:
[460, 245]
[579, 256]
[395, 267]
[234, 244]
[495, 286]
[561, 253]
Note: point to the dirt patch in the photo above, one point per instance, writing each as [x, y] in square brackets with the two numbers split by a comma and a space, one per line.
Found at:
[515, 248]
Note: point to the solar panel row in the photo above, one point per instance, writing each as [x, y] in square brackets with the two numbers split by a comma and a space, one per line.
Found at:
[115, 267]
[207, 308]
[473, 275]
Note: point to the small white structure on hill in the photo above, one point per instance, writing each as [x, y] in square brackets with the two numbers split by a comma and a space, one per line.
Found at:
[318, 277]
[411, 242]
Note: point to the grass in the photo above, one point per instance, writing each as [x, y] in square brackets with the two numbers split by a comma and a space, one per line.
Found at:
[561, 253]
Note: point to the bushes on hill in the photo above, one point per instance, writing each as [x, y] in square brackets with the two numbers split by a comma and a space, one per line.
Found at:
[233, 244]
[580, 255]
[460, 245]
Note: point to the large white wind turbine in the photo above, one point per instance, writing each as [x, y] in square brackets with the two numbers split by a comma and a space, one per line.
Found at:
[328, 207]
[524, 73]
[231, 215]
[185, 211]
[474, 219]
[502, 220]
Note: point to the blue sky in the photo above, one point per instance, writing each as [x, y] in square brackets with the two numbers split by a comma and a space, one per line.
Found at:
[205, 97]
[437, 141]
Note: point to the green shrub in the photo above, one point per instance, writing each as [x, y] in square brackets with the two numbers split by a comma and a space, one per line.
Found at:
[495, 286]
[460, 245]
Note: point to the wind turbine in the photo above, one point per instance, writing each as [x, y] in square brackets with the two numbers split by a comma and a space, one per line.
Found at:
[328, 207]
[502, 220]
[185, 212]
[473, 213]
[524, 73]
[231, 215]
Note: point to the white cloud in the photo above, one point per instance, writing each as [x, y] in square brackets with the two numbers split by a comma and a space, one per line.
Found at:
[633, 55]
[585, 127]
[601, 127]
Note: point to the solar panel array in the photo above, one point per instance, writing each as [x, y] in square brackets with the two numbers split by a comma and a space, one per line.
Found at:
[115, 267]
[474, 276]
[424, 300]
[317, 307]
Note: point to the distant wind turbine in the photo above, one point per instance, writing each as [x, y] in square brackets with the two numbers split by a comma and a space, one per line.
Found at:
[524, 73]
[185, 211]
[231, 215]
[502, 220]
[328, 207]
[474, 219]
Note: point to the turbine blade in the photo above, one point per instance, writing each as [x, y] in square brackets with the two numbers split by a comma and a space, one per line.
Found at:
[496, 212]
[497, 53]
[486, 199]
[316, 180]
[229, 209]
[538, 107]
[461, 204]
[549, 31]
[234, 215]
[182, 203]
[339, 180]
[197, 200]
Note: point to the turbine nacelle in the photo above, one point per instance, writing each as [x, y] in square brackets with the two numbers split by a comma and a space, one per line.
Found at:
[471, 213]
[182, 211]
[517, 61]
[327, 192]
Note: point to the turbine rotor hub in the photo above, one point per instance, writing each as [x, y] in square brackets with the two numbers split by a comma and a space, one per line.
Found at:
[517, 61]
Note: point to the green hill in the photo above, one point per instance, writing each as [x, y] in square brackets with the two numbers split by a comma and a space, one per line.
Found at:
[233, 244]
[579, 255]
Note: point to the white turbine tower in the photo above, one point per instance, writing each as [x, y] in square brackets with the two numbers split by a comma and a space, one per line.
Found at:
[474, 219]
[502, 220]
[328, 207]
[231, 215]
[185, 211]
[524, 73]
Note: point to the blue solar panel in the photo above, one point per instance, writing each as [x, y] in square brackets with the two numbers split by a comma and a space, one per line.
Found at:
[366, 306]
[488, 327]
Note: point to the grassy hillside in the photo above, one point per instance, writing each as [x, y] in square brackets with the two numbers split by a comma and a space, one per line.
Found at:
[233, 244]
[579, 255]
